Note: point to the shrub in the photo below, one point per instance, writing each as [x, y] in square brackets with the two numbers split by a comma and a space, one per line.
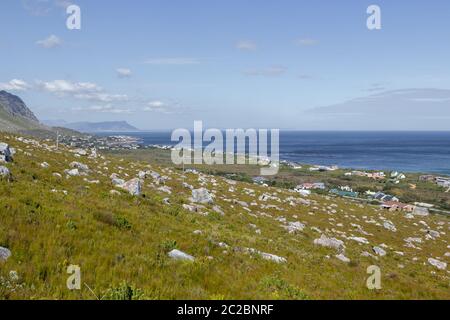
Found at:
[280, 289]
[124, 292]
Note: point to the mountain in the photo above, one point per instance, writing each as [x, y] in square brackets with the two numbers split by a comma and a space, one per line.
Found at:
[15, 116]
[109, 126]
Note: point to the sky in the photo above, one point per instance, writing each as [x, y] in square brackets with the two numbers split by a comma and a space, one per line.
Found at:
[287, 64]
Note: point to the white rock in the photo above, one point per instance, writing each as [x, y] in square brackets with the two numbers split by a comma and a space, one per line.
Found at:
[218, 210]
[80, 166]
[390, 226]
[4, 172]
[379, 251]
[330, 242]
[438, 264]
[73, 172]
[201, 195]
[44, 165]
[4, 254]
[5, 152]
[133, 186]
[180, 255]
[359, 239]
[293, 227]
[343, 258]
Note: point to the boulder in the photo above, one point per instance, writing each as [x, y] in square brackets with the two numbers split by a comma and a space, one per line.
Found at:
[438, 264]
[4, 172]
[73, 172]
[5, 152]
[379, 251]
[133, 186]
[4, 254]
[334, 243]
[343, 258]
[80, 166]
[45, 165]
[180, 255]
[390, 226]
[293, 227]
[201, 195]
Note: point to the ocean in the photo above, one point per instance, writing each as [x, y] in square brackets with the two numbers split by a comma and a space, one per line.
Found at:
[401, 151]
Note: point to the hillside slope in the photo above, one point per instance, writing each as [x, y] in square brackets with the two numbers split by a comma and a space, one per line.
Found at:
[247, 241]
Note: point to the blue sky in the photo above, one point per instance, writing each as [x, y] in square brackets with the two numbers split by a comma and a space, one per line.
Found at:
[270, 64]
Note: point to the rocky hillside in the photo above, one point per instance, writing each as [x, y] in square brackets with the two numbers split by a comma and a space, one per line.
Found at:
[15, 116]
[15, 106]
[140, 231]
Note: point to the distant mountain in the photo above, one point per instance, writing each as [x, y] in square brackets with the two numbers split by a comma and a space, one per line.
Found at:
[109, 126]
[55, 123]
[15, 115]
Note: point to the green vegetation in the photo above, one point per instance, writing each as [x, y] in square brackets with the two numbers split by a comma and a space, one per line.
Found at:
[121, 242]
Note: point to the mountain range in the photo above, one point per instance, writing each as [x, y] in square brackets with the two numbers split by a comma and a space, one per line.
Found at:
[16, 117]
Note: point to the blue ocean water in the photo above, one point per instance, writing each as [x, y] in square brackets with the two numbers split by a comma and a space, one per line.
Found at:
[404, 151]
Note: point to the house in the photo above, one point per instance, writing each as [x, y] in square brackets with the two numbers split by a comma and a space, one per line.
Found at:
[343, 193]
[323, 168]
[397, 206]
[310, 186]
[346, 188]
[385, 197]
[443, 182]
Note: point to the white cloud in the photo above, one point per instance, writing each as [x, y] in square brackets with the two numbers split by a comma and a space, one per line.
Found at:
[246, 45]
[123, 72]
[44, 7]
[163, 107]
[51, 41]
[81, 90]
[306, 42]
[15, 85]
[172, 61]
[108, 108]
[266, 72]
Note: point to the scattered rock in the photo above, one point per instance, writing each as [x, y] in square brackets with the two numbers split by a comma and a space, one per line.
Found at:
[390, 226]
[73, 172]
[180, 255]
[330, 242]
[4, 172]
[218, 210]
[133, 186]
[343, 258]
[293, 227]
[4, 254]
[5, 153]
[359, 240]
[379, 251]
[438, 264]
[201, 195]
[45, 165]
[80, 166]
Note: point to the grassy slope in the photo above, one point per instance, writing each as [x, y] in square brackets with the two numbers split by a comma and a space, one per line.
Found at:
[117, 239]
